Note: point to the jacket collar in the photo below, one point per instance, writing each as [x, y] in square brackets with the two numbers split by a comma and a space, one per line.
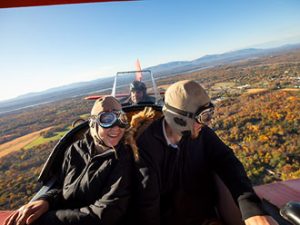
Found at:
[158, 132]
[166, 136]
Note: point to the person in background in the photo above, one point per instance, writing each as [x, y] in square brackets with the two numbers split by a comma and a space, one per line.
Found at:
[138, 94]
[179, 155]
[95, 183]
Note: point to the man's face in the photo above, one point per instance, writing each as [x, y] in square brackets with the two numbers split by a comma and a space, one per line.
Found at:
[136, 96]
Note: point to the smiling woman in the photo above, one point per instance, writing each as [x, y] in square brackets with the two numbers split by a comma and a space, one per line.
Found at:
[94, 185]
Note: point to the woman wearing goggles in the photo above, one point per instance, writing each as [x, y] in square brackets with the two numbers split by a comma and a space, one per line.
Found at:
[111, 119]
[110, 127]
[94, 186]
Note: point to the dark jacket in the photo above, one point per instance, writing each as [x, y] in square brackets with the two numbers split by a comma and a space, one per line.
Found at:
[176, 184]
[93, 188]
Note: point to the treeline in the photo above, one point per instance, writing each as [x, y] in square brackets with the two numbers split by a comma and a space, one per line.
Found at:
[18, 175]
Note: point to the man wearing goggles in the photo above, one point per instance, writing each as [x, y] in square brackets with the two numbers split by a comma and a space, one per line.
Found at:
[203, 115]
[138, 94]
[179, 155]
[94, 186]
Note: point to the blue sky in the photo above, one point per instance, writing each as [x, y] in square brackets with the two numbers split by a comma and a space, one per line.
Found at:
[44, 47]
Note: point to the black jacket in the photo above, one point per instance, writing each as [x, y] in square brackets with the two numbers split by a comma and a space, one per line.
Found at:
[176, 184]
[92, 189]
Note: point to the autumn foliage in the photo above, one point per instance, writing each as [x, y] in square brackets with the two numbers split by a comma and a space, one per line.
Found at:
[263, 130]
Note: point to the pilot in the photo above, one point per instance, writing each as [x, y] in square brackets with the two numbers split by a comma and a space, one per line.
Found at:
[179, 155]
[94, 186]
[138, 93]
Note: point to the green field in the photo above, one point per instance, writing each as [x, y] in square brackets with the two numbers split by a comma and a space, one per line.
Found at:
[41, 140]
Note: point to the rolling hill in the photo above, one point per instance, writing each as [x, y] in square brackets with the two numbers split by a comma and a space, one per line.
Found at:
[162, 70]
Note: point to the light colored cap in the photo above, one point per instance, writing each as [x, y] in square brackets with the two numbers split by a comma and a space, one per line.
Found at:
[187, 96]
[106, 104]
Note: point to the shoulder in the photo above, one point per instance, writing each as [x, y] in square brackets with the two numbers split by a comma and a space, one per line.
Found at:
[152, 133]
[212, 141]
[80, 147]
[151, 144]
[208, 133]
[124, 162]
[125, 152]
[208, 139]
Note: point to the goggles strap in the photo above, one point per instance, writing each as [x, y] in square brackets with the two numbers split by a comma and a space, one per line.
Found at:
[179, 111]
[202, 108]
[99, 141]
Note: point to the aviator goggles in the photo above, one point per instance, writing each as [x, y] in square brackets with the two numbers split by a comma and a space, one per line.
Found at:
[111, 119]
[203, 115]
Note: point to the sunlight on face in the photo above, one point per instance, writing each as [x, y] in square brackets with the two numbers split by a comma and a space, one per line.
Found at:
[136, 96]
[111, 136]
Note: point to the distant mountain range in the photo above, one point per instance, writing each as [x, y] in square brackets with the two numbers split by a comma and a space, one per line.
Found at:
[218, 59]
[162, 70]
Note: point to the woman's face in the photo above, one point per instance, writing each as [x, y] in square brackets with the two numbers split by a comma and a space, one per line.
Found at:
[111, 136]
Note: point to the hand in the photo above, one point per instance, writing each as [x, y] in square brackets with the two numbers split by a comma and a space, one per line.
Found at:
[28, 213]
[260, 220]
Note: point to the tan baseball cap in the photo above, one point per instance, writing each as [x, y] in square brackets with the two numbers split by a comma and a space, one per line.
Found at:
[182, 100]
[106, 104]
